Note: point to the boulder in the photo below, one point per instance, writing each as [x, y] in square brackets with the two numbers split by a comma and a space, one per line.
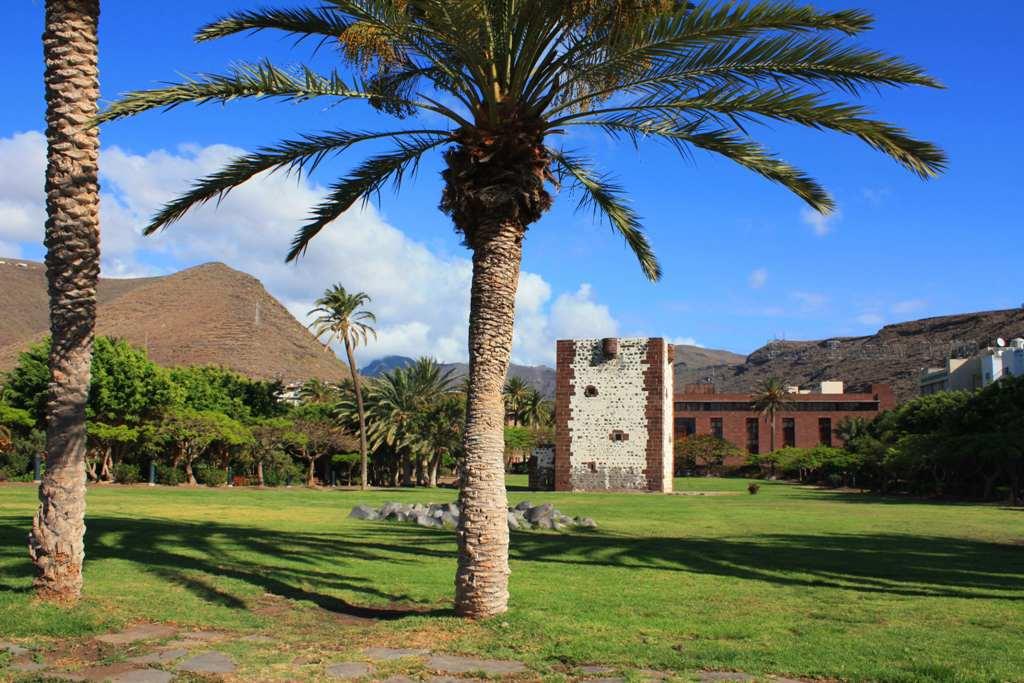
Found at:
[513, 520]
[425, 520]
[364, 512]
[523, 505]
[545, 511]
[586, 523]
[449, 520]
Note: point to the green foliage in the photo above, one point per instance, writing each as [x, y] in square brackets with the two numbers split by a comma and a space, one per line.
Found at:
[281, 471]
[704, 451]
[126, 386]
[26, 385]
[211, 475]
[18, 460]
[214, 389]
[168, 475]
[127, 473]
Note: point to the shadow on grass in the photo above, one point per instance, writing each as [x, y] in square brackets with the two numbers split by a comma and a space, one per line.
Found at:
[893, 564]
[288, 564]
[191, 554]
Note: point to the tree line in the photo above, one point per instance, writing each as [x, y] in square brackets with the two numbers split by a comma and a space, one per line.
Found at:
[956, 444]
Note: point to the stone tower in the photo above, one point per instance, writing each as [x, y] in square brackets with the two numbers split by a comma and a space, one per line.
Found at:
[613, 415]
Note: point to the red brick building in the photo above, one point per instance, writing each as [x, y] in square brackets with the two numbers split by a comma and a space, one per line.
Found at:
[810, 420]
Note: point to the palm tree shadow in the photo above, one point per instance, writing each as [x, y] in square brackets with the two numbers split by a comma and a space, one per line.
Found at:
[192, 555]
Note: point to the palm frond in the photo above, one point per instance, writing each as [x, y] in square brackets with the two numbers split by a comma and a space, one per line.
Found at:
[301, 21]
[261, 80]
[365, 180]
[606, 197]
[302, 155]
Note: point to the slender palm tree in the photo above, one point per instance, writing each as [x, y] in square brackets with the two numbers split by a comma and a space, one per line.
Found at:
[509, 78]
[70, 51]
[770, 398]
[535, 410]
[340, 315]
[516, 392]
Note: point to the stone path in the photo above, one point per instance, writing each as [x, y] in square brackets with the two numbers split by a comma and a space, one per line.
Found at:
[190, 652]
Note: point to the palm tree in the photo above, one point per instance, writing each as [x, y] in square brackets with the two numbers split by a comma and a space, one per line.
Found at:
[516, 392]
[339, 317]
[509, 78]
[315, 390]
[770, 398]
[535, 410]
[70, 48]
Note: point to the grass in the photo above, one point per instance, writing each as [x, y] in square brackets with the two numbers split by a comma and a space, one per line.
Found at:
[793, 581]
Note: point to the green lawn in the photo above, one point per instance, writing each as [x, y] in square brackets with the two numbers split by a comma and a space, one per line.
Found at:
[791, 581]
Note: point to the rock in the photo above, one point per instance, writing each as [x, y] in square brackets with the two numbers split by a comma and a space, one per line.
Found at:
[13, 649]
[594, 669]
[723, 676]
[523, 505]
[160, 657]
[136, 633]
[449, 520]
[387, 654]
[27, 666]
[513, 521]
[348, 670]
[387, 508]
[463, 665]
[144, 676]
[545, 511]
[586, 523]
[425, 520]
[452, 509]
[208, 663]
[364, 512]
[205, 636]
[544, 523]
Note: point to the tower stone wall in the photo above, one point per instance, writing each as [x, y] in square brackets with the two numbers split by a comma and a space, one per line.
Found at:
[613, 415]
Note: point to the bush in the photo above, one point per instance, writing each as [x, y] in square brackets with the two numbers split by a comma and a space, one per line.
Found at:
[280, 473]
[126, 473]
[753, 488]
[212, 476]
[17, 464]
[168, 475]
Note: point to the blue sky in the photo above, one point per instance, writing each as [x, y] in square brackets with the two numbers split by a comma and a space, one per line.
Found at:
[743, 260]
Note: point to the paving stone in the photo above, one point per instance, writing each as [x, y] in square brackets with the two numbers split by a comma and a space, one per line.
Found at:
[594, 669]
[386, 654]
[26, 666]
[724, 676]
[461, 665]
[144, 676]
[14, 649]
[164, 656]
[258, 638]
[106, 672]
[136, 633]
[303, 660]
[606, 680]
[206, 636]
[208, 663]
[348, 670]
[652, 675]
[400, 679]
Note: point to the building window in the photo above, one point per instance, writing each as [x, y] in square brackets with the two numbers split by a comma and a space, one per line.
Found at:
[825, 431]
[716, 427]
[685, 426]
[753, 435]
[590, 391]
[789, 432]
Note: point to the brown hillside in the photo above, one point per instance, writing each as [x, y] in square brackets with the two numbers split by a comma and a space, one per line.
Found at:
[210, 314]
[894, 355]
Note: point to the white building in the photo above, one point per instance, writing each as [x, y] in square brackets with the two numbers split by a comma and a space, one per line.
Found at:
[980, 370]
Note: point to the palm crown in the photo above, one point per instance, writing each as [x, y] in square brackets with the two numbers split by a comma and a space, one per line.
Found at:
[508, 76]
[339, 316]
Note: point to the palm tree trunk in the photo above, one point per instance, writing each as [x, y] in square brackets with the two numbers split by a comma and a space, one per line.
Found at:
[771, 415]
[362, 413]
[481, 582]
[57, 540]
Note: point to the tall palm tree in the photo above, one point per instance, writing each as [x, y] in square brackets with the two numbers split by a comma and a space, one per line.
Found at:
[534, 410]
[516, 392]
[70, 50]
[770, 398]
[509, 78]
[340, 315]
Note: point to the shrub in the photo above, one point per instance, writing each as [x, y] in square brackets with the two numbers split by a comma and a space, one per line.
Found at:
[126, 473]
[168, 475]
[280, 473]
[212, 476]
[753, 487]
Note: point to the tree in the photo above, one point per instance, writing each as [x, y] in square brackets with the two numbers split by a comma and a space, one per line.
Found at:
[339, 317]
[269, 441]
[317, 391]
[535, 410]
[706, 451]
[191, 434]
[56, 543]
[509, 77]
[312, 438]
[770, 398]
[516, 393]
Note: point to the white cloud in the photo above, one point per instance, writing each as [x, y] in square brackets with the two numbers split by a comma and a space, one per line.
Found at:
[870, 319]
[577, 315]
[822, 224]
[685, 341]
[810, 301]
[908, 306]
[421, 298]
[757, 278]
[876, 195]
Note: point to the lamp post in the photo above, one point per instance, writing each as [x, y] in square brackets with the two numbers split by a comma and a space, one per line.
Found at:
[152, 473]
[38, 477]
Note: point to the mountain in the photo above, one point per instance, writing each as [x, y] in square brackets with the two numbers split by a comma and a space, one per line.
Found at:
[206, 315]
[384, 365]
[894, 355]
[542, 377]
